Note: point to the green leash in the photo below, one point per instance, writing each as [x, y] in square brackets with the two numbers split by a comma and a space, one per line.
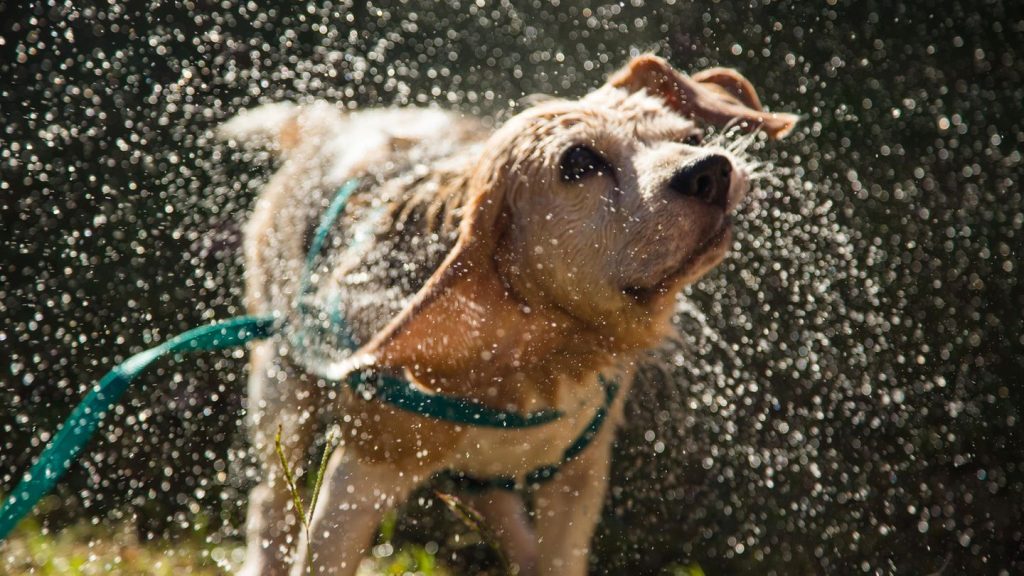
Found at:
[80, 426]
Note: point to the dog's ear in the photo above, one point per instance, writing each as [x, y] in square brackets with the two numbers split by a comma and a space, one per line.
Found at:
[465, 302]
[719, 96]
[730, 84]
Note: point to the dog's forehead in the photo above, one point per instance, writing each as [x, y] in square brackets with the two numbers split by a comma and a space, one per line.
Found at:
[634, 118]
[643, 116]
[628, 103]
[610, 112]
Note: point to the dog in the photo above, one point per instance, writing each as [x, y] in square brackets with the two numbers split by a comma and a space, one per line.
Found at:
[515, 267]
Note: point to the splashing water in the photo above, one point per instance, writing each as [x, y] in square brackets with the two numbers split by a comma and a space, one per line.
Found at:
[840, 397]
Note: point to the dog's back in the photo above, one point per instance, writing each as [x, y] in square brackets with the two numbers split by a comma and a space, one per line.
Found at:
[398, 226]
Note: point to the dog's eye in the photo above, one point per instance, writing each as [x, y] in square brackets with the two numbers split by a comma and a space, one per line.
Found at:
[579, 162]
[695, 139]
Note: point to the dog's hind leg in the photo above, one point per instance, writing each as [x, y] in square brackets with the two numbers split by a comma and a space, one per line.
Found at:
[354, 498]
[506, 513]
[277, 397]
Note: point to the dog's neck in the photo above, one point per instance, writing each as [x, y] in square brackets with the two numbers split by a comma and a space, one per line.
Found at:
[470, 335]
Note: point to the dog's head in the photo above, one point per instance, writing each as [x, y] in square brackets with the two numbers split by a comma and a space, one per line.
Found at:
[605, 207]
[611, 203]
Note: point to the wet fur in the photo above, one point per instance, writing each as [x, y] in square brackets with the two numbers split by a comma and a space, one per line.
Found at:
[462, 264]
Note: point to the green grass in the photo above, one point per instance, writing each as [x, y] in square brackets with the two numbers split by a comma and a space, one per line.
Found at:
[87, 550]
[289, 476]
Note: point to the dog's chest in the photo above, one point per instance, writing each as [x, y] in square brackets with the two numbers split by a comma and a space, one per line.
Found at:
[488, 452]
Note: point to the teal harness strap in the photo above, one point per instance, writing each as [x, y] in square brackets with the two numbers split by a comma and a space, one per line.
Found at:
[80, 426]
[545, 473]
[611, 389]
[234, 332]
[300, 336]
[402, 394]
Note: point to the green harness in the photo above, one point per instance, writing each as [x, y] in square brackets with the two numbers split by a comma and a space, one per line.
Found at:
[236, 332]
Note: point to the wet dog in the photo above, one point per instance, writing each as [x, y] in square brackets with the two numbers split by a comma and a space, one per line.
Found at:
[510, 266]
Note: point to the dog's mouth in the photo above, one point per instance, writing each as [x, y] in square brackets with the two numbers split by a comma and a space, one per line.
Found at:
[711, 246]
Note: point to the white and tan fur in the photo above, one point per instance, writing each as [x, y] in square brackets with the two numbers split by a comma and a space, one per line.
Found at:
[467, 264]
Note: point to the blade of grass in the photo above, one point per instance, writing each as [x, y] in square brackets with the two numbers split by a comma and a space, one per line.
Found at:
[288, 477]
[387, 525]
[475, 522]
[320, 473]
[294, 489]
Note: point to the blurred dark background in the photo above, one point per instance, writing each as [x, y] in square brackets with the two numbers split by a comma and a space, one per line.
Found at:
[845, 396]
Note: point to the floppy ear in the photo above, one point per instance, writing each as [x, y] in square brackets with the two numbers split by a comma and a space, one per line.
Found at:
[465, 302]
[730, 84]
[718, 96]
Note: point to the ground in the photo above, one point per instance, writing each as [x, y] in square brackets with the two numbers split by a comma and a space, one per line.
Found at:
[81, 551]
[87, 550]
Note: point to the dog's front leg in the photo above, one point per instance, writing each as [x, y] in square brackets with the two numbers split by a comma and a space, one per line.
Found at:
[354, 497]
[278, 396]
[568, 507]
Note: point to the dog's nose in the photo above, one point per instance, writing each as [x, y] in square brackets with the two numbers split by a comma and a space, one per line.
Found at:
[706, 179]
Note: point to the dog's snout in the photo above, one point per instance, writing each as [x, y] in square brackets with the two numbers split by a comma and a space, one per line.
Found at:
[706, 179]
